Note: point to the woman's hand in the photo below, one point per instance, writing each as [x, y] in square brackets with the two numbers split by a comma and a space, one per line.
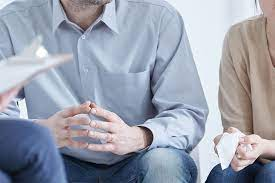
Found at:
[245, 157]
[5, 98]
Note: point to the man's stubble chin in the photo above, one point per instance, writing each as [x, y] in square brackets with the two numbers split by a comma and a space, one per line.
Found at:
[87, 3]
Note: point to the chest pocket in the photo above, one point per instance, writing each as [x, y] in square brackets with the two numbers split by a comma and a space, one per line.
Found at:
[127, 94]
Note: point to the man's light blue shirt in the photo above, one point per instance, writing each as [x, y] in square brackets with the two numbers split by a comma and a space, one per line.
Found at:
[135, 60]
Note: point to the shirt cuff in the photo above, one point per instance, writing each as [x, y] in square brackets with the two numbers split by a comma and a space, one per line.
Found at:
[159, 137]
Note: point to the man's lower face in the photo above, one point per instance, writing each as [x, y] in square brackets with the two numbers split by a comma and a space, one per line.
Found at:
[88, 3]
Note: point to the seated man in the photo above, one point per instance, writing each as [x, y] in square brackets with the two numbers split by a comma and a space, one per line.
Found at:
[28, 153]
[131, 57]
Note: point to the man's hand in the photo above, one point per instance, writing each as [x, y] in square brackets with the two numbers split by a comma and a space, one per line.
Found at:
[5, 98]
[60, 125]
[120, 138]
[244, 157]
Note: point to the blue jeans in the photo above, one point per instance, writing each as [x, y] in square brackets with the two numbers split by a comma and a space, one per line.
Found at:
[161, 165]
[28, 154]
[257, 172]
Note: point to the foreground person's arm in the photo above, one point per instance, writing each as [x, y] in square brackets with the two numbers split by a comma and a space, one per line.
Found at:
[6, 47]
[5, 98]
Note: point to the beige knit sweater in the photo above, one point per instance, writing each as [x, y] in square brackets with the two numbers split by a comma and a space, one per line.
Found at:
[247, 80]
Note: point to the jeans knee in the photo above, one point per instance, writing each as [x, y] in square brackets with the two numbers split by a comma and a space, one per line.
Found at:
[266, 174]
[41, 134]
[168, 164]
[25, 130]
[25, 135]
[35, 140]
[37, 135]
[4, 178]
[269, 168]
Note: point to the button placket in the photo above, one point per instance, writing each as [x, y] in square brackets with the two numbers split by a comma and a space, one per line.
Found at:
[82, 66]
[86, 70]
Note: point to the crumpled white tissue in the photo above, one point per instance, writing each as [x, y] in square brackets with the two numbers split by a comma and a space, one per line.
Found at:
[227, 147]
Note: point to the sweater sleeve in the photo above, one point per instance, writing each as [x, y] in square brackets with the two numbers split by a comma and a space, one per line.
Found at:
[234, 90]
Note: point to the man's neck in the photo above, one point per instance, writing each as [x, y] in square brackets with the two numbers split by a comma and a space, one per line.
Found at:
[84, 17]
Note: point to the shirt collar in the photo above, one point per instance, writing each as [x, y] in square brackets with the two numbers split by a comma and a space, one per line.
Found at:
[58, 14]
[109, 16]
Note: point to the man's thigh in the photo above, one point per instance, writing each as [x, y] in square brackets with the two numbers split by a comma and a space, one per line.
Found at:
[79, 171]
[85, 172]
[158, 165]
[166, 165]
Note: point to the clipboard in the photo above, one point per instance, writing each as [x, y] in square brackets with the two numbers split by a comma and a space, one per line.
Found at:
[34, 60]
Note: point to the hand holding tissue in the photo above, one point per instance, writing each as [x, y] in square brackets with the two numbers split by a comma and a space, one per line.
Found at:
[227, 146]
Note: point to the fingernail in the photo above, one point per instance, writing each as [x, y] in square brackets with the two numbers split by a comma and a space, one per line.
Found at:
[93, 111]
[87, 102]
[92, 123]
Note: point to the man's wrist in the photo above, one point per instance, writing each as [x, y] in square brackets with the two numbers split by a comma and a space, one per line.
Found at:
[145, 138]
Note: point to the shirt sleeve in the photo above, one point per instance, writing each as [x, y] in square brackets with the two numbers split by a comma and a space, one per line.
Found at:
[234, 90]
[6, 49]
[177, 92]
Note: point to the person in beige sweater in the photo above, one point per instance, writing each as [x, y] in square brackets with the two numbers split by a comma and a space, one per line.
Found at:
[247, 99]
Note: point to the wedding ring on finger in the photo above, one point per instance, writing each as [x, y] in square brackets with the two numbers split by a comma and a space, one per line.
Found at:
[238, 156]
[111, 138]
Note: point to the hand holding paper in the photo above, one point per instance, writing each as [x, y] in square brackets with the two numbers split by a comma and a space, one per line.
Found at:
[34, 60]
[227, 147]
[238, 150]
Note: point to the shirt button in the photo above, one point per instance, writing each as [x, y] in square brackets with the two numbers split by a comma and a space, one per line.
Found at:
[86, 70]
[83, 37]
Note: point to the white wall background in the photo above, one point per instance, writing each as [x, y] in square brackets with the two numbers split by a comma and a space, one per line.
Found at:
[206, 23]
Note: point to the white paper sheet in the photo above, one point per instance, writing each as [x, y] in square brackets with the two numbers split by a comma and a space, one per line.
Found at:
[34, 60]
